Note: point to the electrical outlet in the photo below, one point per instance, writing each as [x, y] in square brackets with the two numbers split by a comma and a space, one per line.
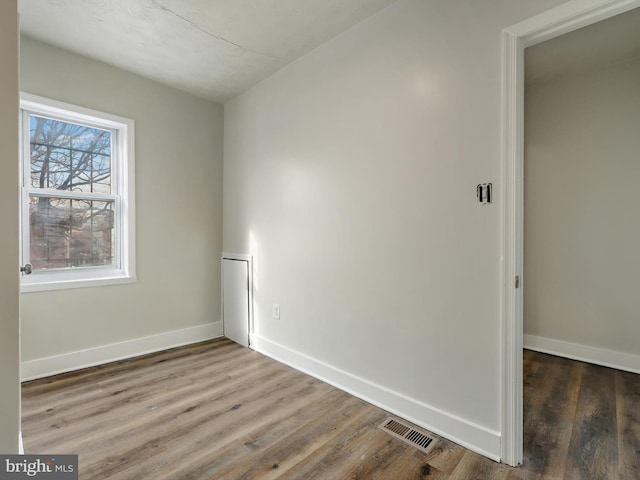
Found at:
[276, 311]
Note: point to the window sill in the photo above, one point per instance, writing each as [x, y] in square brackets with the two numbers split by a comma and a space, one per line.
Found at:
[35, 284]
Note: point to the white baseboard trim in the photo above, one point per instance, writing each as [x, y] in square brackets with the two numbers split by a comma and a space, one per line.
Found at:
[472, 436]
[584, 353]
[44, 367]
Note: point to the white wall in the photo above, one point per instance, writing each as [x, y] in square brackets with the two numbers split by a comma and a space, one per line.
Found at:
[582, 228]
[178, 210]
[9, 297]
[351, 176]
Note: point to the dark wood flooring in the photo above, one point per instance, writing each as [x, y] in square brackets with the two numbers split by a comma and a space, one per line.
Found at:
[581, 421]
[218, 411]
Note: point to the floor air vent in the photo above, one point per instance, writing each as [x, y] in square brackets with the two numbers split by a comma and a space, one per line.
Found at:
[408, 434]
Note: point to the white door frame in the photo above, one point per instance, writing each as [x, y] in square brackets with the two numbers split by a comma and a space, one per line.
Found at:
[555, 22]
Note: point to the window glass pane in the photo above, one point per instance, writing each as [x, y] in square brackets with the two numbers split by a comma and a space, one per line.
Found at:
[71, 233]
[50, 167]
[68, 156]
[101, 174]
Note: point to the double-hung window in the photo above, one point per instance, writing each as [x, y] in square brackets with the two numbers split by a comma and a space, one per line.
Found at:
[77, 196]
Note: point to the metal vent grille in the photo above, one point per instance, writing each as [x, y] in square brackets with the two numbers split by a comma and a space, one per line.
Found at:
[408, 434]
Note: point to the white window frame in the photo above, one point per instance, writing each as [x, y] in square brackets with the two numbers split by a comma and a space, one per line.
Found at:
[123, 168]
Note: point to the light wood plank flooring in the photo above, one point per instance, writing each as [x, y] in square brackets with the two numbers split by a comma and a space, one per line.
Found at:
[218, 411]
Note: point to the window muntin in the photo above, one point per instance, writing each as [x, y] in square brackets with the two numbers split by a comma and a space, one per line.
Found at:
[77, 218]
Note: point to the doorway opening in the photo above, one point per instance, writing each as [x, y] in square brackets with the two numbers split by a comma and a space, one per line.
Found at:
[581, 230]
[553, 23]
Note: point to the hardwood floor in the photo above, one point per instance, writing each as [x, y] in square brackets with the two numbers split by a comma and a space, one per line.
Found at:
[582, 421]
[218, 411]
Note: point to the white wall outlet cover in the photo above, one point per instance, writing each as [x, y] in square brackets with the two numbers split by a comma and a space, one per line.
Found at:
[276, 311]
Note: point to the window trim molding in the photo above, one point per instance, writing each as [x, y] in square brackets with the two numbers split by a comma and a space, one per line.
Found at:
[125, 203]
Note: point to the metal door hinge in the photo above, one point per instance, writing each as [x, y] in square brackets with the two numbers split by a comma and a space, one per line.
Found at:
[517, 281]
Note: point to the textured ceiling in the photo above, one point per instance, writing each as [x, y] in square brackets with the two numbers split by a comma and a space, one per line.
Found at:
[596, 46]
[212, 48]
